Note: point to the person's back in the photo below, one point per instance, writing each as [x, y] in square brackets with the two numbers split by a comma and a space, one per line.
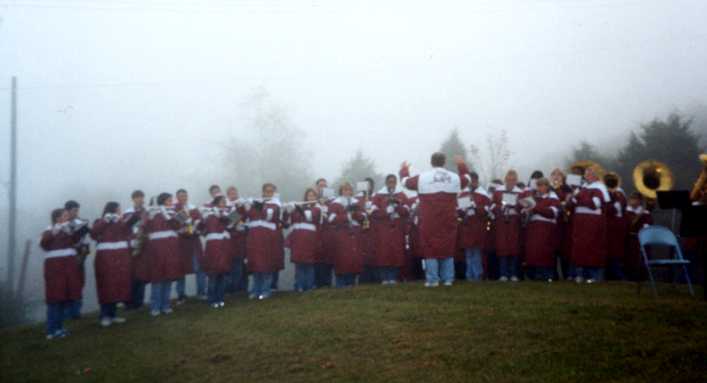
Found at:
[437, 190]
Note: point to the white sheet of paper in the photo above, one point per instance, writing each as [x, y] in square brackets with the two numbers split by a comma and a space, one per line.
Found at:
[574, 180]
[510, 198]
[463, 203]
[362, 186]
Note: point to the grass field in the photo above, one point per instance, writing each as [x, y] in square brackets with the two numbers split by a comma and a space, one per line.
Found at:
[488, 332]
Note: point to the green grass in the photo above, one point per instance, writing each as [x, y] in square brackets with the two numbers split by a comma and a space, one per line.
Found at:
[487, 332]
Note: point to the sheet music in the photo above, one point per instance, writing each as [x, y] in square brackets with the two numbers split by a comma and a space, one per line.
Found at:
[574, 180]
[510, 198]
[464, 203]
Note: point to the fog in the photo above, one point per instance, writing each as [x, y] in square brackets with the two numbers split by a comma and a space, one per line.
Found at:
[119, 95]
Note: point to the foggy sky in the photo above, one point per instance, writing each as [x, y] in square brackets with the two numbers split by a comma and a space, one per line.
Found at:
[145, 94]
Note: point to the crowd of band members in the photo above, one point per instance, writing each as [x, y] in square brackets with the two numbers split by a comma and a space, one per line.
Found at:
[354, 237]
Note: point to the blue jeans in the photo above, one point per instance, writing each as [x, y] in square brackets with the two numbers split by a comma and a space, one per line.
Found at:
[217, 288]
[55, 316]
[137, 294]
[200, 281]
[345, 280]
[322, 275]
[474, 267]
[304, 276]
[233, 279]
[274, 280]
[159, 295]
[508, 266]
[595, 273]
[262, 284]
[108, 310]
[437, 270]
[72, 309]
[388, 274]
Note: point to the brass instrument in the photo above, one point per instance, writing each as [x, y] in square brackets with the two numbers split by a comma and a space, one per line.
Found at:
[579, 167]
[699, 190]
[651, 176]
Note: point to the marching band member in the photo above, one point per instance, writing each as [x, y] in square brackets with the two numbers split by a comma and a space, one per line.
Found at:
[616, 227]
[438, 189]
[163, 253]
[112, 233]
[369, 273]
[62, 277]
[472, 229]
[564, 229]
[412, 265]
[189, 246]
[262, 252]
[217, 257]
[541, 243]
[83, 249]
[491, 269]
[637, 217]
[589, 227]
[139, 264]
[303, 240]
[508, 223]
[323, 269]
[388, 219]
[346, 215]
[237, 280]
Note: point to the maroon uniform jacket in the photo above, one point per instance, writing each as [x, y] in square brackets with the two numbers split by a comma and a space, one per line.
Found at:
[62, 276]
[589, 226]
[542, 231]
[388, 219]
[437, 211]
[346, 217]
[113, 262]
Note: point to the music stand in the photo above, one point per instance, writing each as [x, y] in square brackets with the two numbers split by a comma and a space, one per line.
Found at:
[694, 224]
[675, 200]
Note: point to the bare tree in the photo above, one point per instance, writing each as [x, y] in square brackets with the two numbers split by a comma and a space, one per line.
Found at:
[491, 163]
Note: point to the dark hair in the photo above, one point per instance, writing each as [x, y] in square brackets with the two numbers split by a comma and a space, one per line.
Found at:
[217, 200]
[497, 181]
[536, 174]
[438, 159]
[269, 184]
[371, 183]
[162, 198]
[319, 180]
[521, 185]
[137, 193]
[213, 187]
[474, 175]
[389, 176]
[181, 191]
[636, 195]
[71, 204]
[309, 190]
[111, 207]
[56, 213]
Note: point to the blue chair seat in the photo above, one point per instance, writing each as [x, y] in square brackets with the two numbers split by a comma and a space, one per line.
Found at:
[662, 236]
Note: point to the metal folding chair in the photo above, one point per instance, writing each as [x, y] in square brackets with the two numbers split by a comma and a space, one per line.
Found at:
[662, 236]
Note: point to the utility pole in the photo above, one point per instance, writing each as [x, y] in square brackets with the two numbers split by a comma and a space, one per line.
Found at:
[12, 219]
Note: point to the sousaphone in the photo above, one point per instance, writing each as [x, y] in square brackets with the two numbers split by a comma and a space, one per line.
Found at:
[651, 176]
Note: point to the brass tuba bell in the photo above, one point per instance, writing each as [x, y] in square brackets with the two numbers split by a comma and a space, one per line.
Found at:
[651, 176]
[699, 190]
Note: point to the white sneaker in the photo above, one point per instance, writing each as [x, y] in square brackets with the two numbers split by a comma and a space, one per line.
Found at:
[155, 313]
[579, 279]
[590, 281]
[503, 279]
[514, 279]
[50, 336]
[105, 322]
[118, 320]
[384, 283]
[167, 311]
[252, 296]
[448, 283]
[221, 304]
[393, 282]
[214, 305]
[549, 280]
[431, 284]
[263, 297]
